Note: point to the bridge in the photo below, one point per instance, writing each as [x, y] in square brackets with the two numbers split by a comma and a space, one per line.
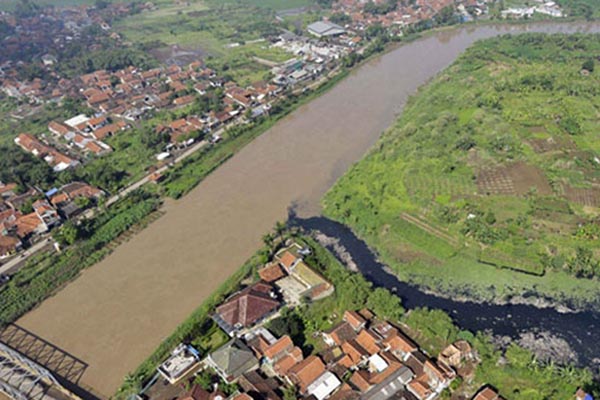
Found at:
[33, 369]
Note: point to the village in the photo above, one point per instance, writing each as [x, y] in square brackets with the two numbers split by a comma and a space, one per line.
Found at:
[205, 103]
[361, 357]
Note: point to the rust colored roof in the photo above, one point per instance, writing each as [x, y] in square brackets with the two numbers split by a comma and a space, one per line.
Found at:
[401, 343]
[27, 224]
[345, 393]
[354, 319]
[360, 380]
[487, 394]
[306, 372]
[8, 187]
[342, 333]
[8, 244]
[105, 131]
[271, 273]
[59, 128]
[94, 147]
[287, 259]
[420, 388]
[279, 348]
[97, 120]
[283, 366]
[354, 351]
[368, 342]
[249, 305]
[346, 361]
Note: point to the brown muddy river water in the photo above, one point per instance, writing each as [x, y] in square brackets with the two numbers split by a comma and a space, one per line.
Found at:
[117, 312]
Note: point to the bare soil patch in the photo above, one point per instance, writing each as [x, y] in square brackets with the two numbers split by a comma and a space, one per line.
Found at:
[405, 254]
[515, 179]
[587, 197]
[551, 144]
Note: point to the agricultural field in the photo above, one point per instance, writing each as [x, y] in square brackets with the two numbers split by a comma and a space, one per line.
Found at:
[229, 34]
[489, 184]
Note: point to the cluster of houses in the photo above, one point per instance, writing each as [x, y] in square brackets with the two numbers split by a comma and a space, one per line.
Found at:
[44, 34]
[362, 357]
[404, 13]
[24, 217]
[79, 137]
[121, 97]
[544, 7]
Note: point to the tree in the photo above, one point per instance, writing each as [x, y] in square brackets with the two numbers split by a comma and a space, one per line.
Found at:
[67, 234]
[385, 305]
[588, 65]
[280, 228]
[290, 393]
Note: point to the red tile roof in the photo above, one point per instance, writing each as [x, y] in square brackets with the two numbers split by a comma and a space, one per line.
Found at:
[279, 348]
[271, 273]
[306, 372]
[248, 306]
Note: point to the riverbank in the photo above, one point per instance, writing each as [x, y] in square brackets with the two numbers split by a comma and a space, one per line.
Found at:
[334, 244]
[354, 291]
[520, 323]
[155, 280]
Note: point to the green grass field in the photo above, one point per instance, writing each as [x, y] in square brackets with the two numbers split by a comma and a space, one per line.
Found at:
[499, 153]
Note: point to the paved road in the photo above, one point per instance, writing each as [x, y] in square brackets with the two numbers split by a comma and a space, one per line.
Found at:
[22, 257]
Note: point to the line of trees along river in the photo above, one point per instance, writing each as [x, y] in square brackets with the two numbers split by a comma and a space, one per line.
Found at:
[153, 282]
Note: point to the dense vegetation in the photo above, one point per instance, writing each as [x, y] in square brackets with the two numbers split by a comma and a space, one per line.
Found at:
[90, 242]
[487, 185]
[515, 371]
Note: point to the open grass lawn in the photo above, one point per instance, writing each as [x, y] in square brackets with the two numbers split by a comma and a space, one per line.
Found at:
[498, 155]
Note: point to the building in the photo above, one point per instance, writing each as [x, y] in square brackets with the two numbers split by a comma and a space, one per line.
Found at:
[232, 360]
[325, 29]
[246, 308]
[183, 359]
[487, 393]
[197, 393]
[306, 372]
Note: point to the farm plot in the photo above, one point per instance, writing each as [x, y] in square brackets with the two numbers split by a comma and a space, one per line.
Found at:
[428, 187]
[551, 144]
[587, 197]
[511, 180]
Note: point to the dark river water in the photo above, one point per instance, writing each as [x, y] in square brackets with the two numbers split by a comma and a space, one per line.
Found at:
[118, 311]
[580, 330]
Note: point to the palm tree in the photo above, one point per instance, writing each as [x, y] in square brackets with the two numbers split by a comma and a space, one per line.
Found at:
[268, 240]
[280, 228]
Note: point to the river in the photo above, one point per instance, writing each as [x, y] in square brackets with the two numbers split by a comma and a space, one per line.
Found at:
[114, 315]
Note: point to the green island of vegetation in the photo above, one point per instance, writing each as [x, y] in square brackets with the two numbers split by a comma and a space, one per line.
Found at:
[514, 371]
[487, 186]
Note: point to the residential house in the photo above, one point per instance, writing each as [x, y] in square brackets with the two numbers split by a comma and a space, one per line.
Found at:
[196, 392]
[323, 386]
[182, 361]
[46, 213]
[246, 307]
[489, 393]
[258, 386]
[306, 372]
[232, 360]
